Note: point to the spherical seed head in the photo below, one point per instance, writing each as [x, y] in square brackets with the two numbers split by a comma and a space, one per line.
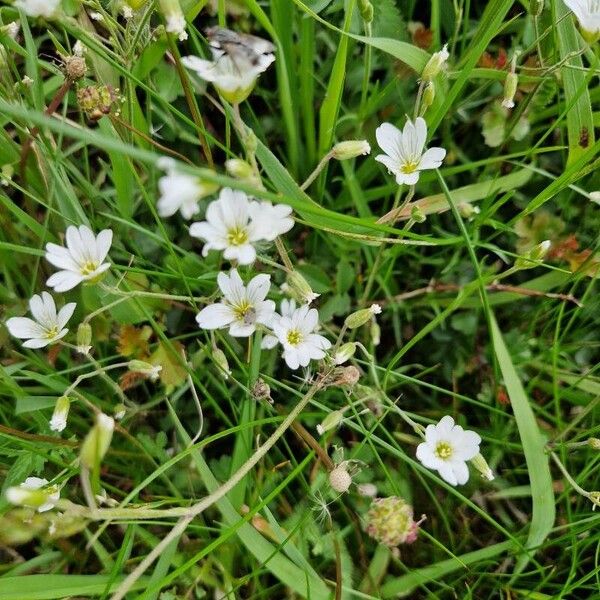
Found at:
[339, 479]
[390, 521]
[75, 67]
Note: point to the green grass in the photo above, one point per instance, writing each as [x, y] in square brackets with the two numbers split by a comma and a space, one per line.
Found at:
[512, 354]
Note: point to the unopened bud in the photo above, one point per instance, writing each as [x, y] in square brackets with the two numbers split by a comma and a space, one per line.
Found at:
[345, 377]
[510, 89]
[119, 411]
[221, 361]
[375, 333]
[369, 490]
[300, 289]
[97, 441]
[594, 443]
[481, 465]
[390, 521]
[34, 493]
[174, 17]
[595, 196]
[331, 421]
[145, 368]
[536, 7]
[58, 422]
[360, 317]
[238, 168]
[534, 256]
[428, 96]
[84, 338]
[366, 10]
[467, 210]
[417, 215]
[350, 149]
[435, 64]
[345, 353]
[339, 479]
[594, 497]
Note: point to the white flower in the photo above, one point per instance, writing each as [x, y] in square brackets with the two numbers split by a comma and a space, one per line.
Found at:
[587, 13]
[58, 422]
[296, 334]
[30, 493]
[38, 8]
[229, 227]
[270, 220]
[234, 75]
[447, 448]
[81, 260]
[242, 307]
[181, 192]
[286, 308]
[48, 327]
[404, 156]
[96, 16]
[176, 25]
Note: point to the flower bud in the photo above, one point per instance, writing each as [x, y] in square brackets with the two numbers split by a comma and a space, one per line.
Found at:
[135, 4]
[435, 64]
[34, 493]
[300, 289]
[344, 377]
[536, 7]
[119, 411]
[595, 196]
[428, 95]
[239, 168]
[350, 149]
[345, 352]
[534, 256]
[84, 338]
[96, 443]
[375, 333]
[221, 361]
[594, 443]
[58, 422]
[365, 8]
[390, 521]
[467, 210]
[510, 89]
[150, 371]
[360, 317]
[261, 391]
[96, 101]
[417, 215]
[174, 17]
[339, 479]
[368, 490]
[331, 421]
[481, 465]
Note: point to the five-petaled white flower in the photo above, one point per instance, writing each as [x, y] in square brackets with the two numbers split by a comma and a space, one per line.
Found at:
[286, 309]
[404, 156]
[234, 75]
[242, 307]
[296, 334]
[33, 493]
[447, 448]
[181, 192]
[38, 8]
[48, 327]
[234, 224]
[587, 13]
[81, 260]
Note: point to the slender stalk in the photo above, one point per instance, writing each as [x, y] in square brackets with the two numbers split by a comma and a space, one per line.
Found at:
[209, 500]
[322, 164]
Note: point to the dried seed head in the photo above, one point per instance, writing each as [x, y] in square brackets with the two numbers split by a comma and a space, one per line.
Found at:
[339, 479]
[390, 521]
[96, 101]
[261, 391]
[75, 67]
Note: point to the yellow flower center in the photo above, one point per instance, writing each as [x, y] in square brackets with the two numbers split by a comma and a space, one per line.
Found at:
[88, 267]
[51, 332]
[294, 337]
[245, 312]
[237, 236]
[443, 450]
[409, 167]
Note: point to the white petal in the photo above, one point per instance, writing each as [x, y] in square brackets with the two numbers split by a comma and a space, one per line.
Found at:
[232, 286]
[204, 68]
[258, 288]
[43, 309]
[269, 342]
[445, 425]
[22, 327]
[103, 244]
[390, 163]
[65, 313]
[421, 135]
[461, 472]
[265, 312]
[37, 343]
[389, 139]
[291, 358]
[215, 316]
[447, 472]
[75, 244]
[241, 329]
[60, 257]
[432, 159]
[245, 254]
[319, 342]
[407, 178]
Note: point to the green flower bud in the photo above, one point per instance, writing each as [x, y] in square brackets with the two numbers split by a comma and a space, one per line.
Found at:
[221, 361]
[300, 289]
[435, 64]
[96, 443]
[345, 352]
[239, 169]
[467, 210]
[350, 149]
[481, 465]
[366, 10]
[510, 89]
[58, 422]
[534, 256]
[84, 338]
[119, 411]
[428, 95]
[594, 443]
[375, 333]
[390, 521]
[417, 215]
[360, 317]
[536, 7]
[150, 371]
[331, 421]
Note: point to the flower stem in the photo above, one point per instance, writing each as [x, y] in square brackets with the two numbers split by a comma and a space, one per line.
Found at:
[322, 164]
